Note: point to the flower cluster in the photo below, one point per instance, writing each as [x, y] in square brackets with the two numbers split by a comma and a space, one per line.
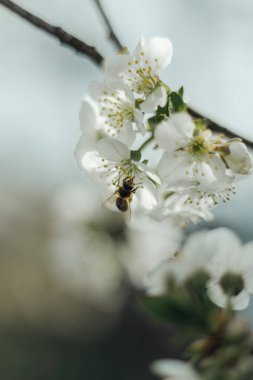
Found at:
[220, 255]
[135, 127]
[198, 290]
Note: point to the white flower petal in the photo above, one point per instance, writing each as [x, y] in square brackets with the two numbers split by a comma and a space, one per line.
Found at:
[246, 265]
[218, 297]
[145, 197]
[239, 159]
[88, 117]
[112, 149]
[90, 161]
[115, 65]
[143, 235]
[127, 134]
[174, 370]
[198, 249]
[174, 169]
[211, 173]
[156, 98]
[241, 301]
[81, 149]
[139, 120]
[96, 89]
[174, 132]
[157, 51]
[182, 213]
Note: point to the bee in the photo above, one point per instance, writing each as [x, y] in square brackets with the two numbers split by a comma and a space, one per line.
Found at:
[122, 197]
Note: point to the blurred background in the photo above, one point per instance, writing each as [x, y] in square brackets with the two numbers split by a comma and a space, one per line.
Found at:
[66, 308]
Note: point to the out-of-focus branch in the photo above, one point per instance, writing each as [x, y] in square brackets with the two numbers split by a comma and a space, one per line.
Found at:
[111, 34]
[90, 52]
[65, 38]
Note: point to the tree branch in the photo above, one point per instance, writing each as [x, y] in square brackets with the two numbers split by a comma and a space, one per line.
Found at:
[65, 38]
[111, 34]
[90, 52]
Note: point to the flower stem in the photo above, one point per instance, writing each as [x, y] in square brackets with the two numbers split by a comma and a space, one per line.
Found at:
[146, 143]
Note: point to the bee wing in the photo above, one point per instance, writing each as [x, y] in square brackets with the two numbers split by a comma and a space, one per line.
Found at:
[110, 203]
[127, 214]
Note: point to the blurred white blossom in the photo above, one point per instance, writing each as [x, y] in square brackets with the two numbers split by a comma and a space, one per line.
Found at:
[168, 369]
[147, 244]
[221, 255]
[231, 270]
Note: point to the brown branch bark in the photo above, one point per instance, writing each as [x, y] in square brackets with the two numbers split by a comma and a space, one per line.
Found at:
[65, 38]
[90, 52]
[111, 34]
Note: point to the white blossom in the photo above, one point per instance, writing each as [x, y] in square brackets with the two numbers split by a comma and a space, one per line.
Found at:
[176, 206]
[180, 168]
[191, 258]
[116, 105]
[110, 163]
[141, 70]
[231, 269]
[238, 158]
[219, 253]
[169, 369]
[148, 243]
[194, 158]
[90, 125]
[82, 258]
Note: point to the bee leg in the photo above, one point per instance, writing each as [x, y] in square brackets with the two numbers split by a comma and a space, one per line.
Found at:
[136, 188]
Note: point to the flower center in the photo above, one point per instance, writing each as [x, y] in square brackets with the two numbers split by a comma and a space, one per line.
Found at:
[232, 283]
[117, 170]
[198, 147]
[116, 112]
[140, 76]
[147, 82]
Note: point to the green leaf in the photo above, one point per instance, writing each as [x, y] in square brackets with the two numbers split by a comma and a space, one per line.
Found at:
[181, 91]
[135, 155]
[156, 119]
[177, 102]
[179, 309]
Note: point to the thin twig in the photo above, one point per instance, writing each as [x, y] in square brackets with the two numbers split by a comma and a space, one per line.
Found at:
[90, 52]
[65, 38]
[111, 34]
[218, 128]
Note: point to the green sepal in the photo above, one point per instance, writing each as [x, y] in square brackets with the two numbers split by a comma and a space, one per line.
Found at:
[181, 91]
[138, 103]
[135, 155]
[177, 102]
